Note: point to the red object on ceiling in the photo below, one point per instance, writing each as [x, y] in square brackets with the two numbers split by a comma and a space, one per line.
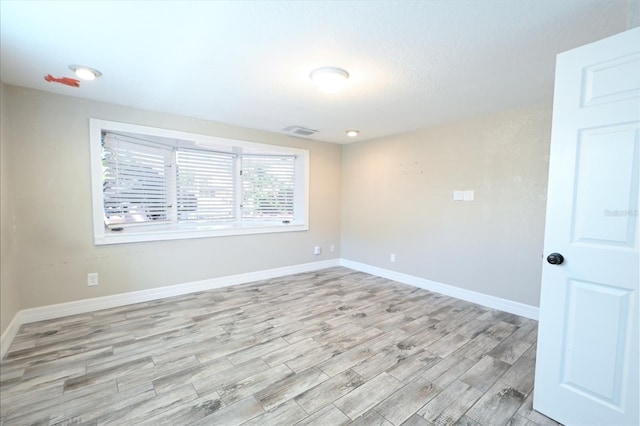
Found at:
[63, 80]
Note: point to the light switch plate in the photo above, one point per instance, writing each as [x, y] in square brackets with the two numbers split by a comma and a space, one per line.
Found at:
[469, 195]
[458, 195]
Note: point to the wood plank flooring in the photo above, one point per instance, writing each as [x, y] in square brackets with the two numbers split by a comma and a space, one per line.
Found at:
[331, 347]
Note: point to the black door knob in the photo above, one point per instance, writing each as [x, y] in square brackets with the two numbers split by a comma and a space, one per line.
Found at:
[555, 259]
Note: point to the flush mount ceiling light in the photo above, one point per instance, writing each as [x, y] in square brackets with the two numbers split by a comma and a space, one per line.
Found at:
[85, 73]
[329, 79]
[353, 133]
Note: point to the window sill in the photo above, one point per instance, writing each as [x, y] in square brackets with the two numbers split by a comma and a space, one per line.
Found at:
[143, 233]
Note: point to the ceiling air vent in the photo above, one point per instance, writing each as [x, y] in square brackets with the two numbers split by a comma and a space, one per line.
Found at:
[299, 131]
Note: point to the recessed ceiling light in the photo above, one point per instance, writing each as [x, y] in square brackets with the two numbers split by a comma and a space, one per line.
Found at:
[85, 73]
[352, 133]
[329, 79]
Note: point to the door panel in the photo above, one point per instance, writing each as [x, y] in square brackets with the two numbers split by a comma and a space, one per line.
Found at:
[611, 81]
[587, 361]
[609, 326]
[611, 191]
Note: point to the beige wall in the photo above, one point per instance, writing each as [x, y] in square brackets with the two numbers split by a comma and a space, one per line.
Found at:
[397, 197]
[50, 180]
[9, 296]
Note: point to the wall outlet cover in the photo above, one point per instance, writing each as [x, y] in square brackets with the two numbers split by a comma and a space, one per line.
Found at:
[92, 279]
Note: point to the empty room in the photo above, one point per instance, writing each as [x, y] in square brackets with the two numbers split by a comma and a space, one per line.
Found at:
[320, 212]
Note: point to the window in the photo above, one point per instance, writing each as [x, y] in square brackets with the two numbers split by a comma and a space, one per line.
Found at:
[268, 184]
[135, 185]
[155, 184]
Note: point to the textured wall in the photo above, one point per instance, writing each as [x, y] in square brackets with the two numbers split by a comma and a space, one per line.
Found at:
[397, 197]
[9, 296]
[50, 179]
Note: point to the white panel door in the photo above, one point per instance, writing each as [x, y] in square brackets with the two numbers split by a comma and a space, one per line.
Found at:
[587, 362]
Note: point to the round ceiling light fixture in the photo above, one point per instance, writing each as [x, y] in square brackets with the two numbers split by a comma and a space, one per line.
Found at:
[85, 73]
[329, 79]
[353, 133]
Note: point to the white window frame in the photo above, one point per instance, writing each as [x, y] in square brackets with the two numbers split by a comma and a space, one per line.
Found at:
[103, 235]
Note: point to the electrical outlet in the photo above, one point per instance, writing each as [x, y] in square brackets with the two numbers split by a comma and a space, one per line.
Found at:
[92, 279]
[332, 248]
[316, 250]
[392, 257]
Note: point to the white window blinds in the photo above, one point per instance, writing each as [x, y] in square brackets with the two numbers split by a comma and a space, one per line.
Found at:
[268, 184]
[135, 182]
[205, 186]
[153, 184]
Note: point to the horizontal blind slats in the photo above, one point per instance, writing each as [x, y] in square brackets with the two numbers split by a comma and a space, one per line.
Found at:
[141, 184]
[268, 187]
[135, 182]
[205, 186]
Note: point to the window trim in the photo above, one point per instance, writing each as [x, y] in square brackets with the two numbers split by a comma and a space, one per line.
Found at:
[161, 232]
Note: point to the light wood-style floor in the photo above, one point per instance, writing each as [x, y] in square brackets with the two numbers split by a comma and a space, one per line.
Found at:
[332, 347]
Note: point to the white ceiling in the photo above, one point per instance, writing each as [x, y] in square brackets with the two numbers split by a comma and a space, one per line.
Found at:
[413, 64]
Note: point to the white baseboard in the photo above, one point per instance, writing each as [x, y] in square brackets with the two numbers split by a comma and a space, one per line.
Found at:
[10, 333]
[59, 310]
[42, 313]
[493, 302]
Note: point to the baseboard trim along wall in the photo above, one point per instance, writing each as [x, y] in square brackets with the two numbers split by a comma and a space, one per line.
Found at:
[75, 307]
[10, 333]
[492, 302]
